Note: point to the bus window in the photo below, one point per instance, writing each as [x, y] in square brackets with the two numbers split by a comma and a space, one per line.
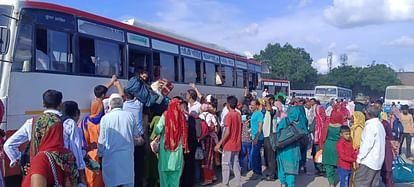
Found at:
[209, 73]
[23, 52]
[137, 61]
[227, 75]
[245, 79]
[199, 74]
[166, 66]
[259, 77]
[189, 70]
[52, 50]
[100, 57]
[86, 52]
[107, 59]
[239, 78]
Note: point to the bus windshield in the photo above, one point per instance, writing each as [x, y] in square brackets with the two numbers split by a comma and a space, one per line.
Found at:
[5, 13]
[400, 94]
[325, 91]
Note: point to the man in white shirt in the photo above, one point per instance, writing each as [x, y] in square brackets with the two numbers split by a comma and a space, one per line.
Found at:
[265, 93]
[193, 105]
[52, 99]
[269, 114]
[118, 130]
[372, 151]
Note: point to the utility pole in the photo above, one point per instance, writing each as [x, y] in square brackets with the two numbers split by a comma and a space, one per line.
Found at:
[344, 59]
[329, 61]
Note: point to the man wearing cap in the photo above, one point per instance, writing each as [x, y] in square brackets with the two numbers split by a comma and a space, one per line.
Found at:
[118, 130]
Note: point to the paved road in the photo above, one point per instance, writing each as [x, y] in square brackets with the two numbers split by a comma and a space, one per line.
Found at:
[308, 180]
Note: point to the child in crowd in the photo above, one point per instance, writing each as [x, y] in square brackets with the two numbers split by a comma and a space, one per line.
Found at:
[346, 156]
[246, 140]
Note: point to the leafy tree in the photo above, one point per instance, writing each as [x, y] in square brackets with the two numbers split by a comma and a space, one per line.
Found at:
[371, 80]
[344, 76]
[377, 77]
[289, 63]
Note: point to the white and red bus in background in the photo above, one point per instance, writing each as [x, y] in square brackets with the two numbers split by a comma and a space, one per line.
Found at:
[48, 46]
[275, 87]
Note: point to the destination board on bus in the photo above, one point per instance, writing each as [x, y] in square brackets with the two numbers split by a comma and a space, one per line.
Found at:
[185, 51]
[138, 39]
[226, 61]
[51, 18]
[164, 46]
[211, 58]
[242, 65]
[102, 31]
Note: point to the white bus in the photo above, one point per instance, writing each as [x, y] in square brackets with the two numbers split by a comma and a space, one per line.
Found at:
[399, 94]
[325, 93]
[274, 86]
[302, 93]
[48, 46]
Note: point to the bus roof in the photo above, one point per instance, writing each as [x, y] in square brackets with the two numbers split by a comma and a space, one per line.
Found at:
[327, 86]
[211, 48]
[274, 80]
[400, 87]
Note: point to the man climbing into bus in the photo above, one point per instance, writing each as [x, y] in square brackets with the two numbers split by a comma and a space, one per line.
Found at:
[90, 126]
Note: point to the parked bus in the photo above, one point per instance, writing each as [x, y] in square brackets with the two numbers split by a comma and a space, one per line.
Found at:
[48, 46]
[325, 93]
[302, 93]
[276, 86]
[399, 94]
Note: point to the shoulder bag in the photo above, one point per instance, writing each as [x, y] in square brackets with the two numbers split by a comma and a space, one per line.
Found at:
[289, 135]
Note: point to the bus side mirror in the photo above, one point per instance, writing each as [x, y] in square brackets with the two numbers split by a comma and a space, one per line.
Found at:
[4, 39]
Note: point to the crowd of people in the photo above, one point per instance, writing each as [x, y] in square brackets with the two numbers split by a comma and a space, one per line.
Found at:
[126, 136]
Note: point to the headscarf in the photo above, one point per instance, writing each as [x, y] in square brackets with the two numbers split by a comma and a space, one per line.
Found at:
[279, 106]
[294, 113]
[357, 128]
[359, 106]
[175, 127]
[47, 136]
[321, 124]
[337, 116]
[395, 113]
[359, 119]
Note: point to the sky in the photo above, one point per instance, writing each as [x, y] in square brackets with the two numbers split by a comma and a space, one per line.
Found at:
[364, 30]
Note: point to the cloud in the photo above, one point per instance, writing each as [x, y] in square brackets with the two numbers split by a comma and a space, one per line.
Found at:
[322, 64]
[356, 13]
[304, 3]
[353, 48]
[229, 27]
[248, 54]
[249, 31]
[403, 41]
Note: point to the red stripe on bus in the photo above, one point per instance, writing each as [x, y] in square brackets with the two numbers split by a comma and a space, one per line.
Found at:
[80, 13]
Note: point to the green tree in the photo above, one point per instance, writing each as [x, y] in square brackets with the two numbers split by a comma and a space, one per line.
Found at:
[289, 63]
[377, 77]
[371, 80]
[343, 76]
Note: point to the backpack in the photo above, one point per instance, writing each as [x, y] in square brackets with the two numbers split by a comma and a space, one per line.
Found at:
[397, 128]
[201, 127]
